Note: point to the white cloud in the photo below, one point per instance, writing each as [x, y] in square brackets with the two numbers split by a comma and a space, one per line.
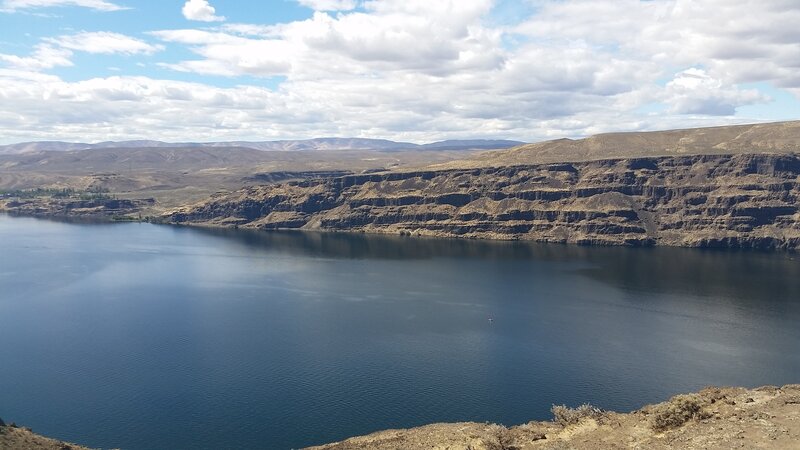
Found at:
[44, 56]
[122, 107]
[329, 5]
[737, 41]
[104, 42]
[200, 10]
[422, 70]
[442, 37]
[100, 5]
[115, 107]
[58, 51]
[231, 55]
[693, 91]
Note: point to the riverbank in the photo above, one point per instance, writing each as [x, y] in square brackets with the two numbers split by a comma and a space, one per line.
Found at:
[715, 418]
[767, 417]
[90, 210]
[23, 438]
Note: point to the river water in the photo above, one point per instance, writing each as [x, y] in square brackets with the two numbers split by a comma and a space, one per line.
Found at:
[142, 336]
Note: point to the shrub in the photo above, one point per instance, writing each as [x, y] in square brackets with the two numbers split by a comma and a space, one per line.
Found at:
[679, 410]
[564, 415]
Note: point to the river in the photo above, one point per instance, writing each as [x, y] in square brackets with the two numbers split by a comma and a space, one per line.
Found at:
[143, 336]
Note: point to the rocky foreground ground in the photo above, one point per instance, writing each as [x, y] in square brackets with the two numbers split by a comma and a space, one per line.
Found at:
[22, 438]
[715, 418]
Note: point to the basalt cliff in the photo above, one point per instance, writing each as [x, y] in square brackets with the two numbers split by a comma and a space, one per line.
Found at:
[746, 200]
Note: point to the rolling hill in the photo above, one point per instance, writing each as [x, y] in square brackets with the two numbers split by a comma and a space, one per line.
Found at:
[779, 137]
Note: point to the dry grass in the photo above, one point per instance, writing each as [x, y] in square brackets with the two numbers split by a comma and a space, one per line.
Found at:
[564, 415]
[679, 410]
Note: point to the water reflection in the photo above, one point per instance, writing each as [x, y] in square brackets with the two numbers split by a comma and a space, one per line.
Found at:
[717, 273]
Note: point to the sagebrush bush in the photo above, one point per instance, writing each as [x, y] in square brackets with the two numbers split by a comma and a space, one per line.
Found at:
[679, 410]
[564, 415]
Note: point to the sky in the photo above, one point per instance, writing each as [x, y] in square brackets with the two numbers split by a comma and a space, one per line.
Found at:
[408, 70]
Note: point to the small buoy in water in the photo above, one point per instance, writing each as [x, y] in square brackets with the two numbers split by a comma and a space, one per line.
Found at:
[491, 320]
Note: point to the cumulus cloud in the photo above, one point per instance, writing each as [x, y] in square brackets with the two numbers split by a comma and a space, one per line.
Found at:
[99, 5]
[121, 107]
[44, 56]
[329, 5]
[439, 38]
[200, 10]
[693, 91]
[422, 70]
[231, 55]
[737, 41]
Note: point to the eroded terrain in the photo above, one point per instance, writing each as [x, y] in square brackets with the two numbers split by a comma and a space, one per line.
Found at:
[739, 201]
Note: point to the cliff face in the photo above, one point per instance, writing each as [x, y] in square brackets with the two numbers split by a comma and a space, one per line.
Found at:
[100, 209]
[741, 201]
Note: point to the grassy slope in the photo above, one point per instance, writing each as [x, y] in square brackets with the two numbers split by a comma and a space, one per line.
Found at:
[780, 137]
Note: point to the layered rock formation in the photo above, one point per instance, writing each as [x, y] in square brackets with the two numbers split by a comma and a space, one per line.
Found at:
[95, 209]
[740, 201]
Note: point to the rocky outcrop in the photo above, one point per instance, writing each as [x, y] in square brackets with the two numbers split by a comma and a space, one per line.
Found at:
[15, 437]
[102, 209]
[738, 201]
[714, 419]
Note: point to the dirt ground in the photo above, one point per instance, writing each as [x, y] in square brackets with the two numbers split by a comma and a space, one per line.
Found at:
[21, 438]
[716, 418]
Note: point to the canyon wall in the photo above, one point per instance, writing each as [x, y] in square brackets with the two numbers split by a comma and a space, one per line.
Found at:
[734, 201]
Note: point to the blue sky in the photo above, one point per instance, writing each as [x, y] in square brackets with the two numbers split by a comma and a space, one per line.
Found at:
[200, 70]
[23, 30]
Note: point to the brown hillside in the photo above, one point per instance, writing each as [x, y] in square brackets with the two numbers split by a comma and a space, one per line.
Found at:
[780, 137]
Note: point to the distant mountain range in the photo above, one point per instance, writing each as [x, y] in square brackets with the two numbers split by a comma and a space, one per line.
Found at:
[317, 144]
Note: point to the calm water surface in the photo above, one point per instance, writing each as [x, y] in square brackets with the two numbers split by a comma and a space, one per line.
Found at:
[141, 336]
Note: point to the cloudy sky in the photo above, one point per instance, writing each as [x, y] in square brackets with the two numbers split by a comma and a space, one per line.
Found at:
[415, 70]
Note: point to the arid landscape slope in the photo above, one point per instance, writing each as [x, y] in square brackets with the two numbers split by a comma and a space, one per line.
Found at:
[714, 419]
[779, 137]
[13, 437]
[175, 176]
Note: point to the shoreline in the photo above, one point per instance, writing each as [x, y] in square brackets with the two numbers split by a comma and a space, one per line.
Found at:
[104, 219]
[766, 417]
